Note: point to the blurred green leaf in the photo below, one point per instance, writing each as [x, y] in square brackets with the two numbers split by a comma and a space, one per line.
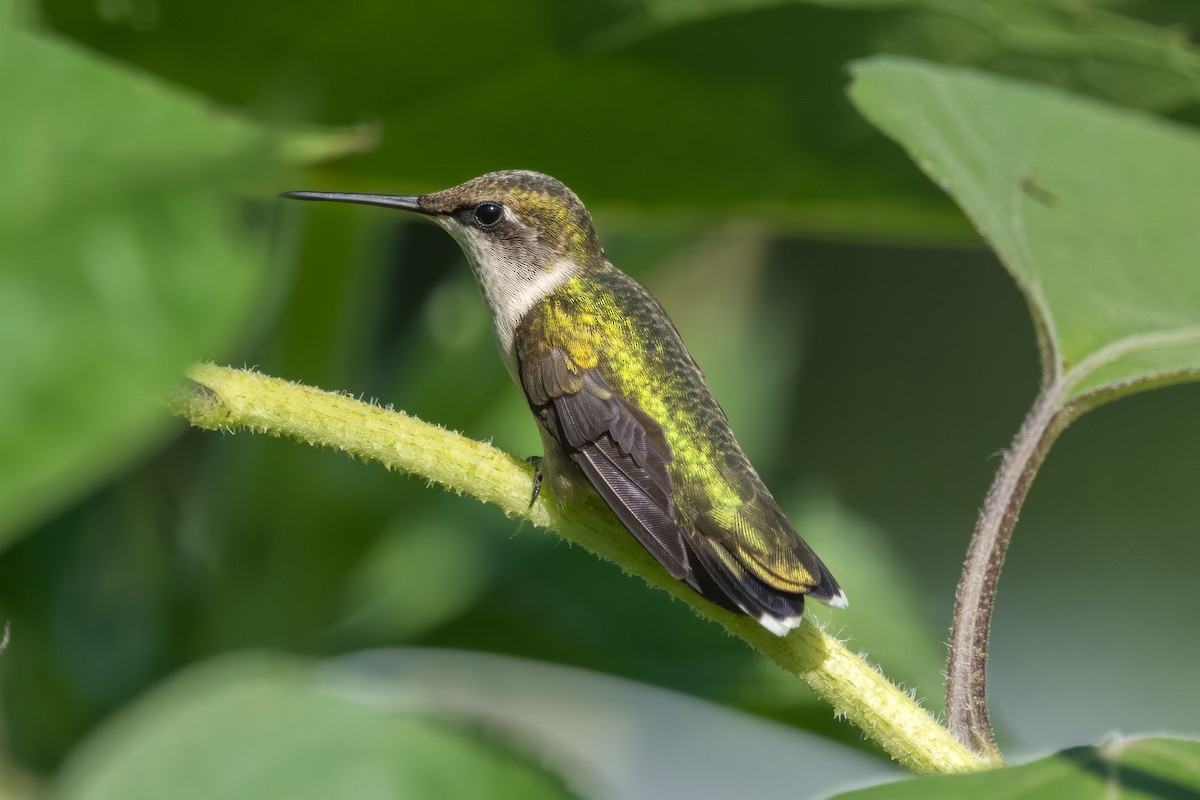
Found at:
[420, 574]
[1092, 210]
[121, 258]
[1123, 769]
[621, 738]
[15, 783]
[709, 105]
[1082, 47]
[252, 728]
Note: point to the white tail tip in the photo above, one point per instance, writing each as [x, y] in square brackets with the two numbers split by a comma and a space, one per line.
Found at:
[838, 600]
[780, 626]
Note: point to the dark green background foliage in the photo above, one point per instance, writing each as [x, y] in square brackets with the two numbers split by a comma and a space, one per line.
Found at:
[872, 356]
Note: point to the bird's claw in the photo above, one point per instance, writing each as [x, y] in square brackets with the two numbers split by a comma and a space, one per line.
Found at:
[537, 478]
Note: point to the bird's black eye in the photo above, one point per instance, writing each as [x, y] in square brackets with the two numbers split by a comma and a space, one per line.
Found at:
[488, 214]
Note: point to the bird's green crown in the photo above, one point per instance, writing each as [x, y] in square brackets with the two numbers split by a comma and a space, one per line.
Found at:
[543, 203]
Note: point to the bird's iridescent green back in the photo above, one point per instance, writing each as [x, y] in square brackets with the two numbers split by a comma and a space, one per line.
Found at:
[608, 322]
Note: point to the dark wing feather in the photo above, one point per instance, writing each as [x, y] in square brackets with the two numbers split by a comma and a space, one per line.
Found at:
[622, 451]
[734, 583]
[761, 540]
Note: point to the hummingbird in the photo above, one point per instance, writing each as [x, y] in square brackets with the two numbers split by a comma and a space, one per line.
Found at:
[621, 406]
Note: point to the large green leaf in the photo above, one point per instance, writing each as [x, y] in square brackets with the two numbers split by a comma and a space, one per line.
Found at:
[711, 105]
[1093, 210]
[122, 257]
[1123, 769]
[1088, 49]
[253, 728]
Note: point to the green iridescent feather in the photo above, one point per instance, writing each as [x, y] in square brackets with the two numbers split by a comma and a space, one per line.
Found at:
[601, 333]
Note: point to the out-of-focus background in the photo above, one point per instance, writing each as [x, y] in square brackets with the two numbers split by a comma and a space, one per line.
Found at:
[872, 355]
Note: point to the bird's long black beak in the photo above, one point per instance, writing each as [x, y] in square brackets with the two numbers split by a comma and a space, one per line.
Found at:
[408, 203]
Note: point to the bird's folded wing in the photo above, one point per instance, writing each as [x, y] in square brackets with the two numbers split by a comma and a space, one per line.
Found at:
[621, 450]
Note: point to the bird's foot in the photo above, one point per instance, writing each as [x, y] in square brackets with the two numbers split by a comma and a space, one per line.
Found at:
[537, 462]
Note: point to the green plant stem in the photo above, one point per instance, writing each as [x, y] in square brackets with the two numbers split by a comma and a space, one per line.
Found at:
[228, 399]
[966, 671]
